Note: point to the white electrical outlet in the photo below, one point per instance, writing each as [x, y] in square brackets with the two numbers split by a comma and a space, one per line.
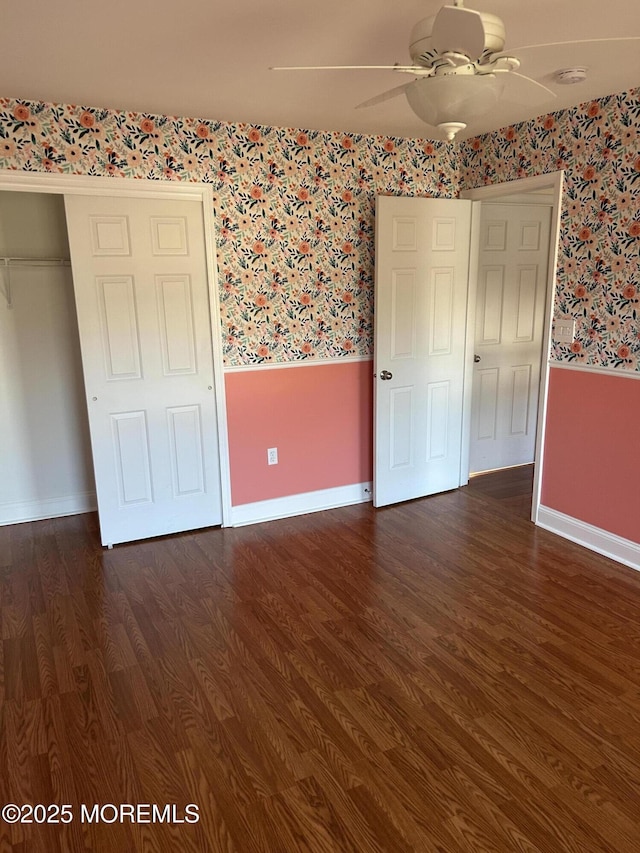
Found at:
[272, 456]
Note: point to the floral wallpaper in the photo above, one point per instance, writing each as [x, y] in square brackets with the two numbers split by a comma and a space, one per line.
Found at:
[598, 144]
[294, 210]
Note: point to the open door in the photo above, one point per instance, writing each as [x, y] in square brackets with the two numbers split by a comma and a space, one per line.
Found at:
[422, 285]
[141, 288]
[509, 329]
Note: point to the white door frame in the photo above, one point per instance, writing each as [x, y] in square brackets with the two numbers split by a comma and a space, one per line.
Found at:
[552, 181]
[43, 182]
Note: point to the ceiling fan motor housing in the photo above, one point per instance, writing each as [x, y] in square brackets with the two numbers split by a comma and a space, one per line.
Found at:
[421, 47]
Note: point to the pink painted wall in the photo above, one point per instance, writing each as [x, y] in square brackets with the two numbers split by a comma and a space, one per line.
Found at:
[592, 460]
[320, 419]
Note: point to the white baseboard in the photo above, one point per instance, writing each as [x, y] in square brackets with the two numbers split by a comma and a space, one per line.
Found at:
[37, 510]
[622, 550]
[300, 504]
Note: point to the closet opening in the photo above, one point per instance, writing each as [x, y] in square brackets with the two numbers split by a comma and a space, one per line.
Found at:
[46, 455]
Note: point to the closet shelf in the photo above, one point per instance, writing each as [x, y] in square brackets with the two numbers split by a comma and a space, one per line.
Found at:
[6, 263]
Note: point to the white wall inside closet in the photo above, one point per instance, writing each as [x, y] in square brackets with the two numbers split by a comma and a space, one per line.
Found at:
[45, 457]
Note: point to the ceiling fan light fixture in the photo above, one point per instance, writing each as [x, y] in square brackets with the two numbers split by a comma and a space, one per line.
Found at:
[451, 102]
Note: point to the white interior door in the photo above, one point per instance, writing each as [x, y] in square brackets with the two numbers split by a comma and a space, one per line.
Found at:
[422, 271]
[510, 303]
[140, 281]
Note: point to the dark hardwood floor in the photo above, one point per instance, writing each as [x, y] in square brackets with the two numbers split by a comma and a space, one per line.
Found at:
[436, 676]
[509, 490]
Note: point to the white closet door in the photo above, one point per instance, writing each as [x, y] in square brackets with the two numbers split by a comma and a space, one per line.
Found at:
[140, 281]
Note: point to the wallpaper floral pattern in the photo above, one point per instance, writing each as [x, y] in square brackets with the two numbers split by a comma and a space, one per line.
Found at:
[294, 211]
[598, 282]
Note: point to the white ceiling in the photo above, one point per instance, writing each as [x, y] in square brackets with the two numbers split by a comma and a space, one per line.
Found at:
[211, 59]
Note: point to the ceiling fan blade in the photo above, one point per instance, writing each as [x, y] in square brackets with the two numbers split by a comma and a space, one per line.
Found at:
[515, 81]
[458, 30]
[409, 69]
[385, 96]
[573, 41]
[535, 83]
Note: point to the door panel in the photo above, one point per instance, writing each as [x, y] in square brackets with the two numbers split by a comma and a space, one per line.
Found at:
[422, 267]
[177, 336]
[514, 247]
[486, 389]
[401, 422]
[438, 394]
[520, 394]
[131, 456]
[490, 300]
[403, 320]
[140, 280]
[120, 332]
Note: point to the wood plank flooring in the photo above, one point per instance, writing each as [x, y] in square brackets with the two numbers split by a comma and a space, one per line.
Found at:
[436, 676]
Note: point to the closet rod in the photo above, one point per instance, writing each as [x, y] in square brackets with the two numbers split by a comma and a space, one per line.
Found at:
[6, 262]
[35, 261]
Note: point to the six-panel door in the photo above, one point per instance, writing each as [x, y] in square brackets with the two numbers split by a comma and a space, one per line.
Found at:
[422, 269]
[510, 300]
[141, 288]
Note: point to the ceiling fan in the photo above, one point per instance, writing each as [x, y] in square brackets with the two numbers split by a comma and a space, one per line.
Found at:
[459, 68]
